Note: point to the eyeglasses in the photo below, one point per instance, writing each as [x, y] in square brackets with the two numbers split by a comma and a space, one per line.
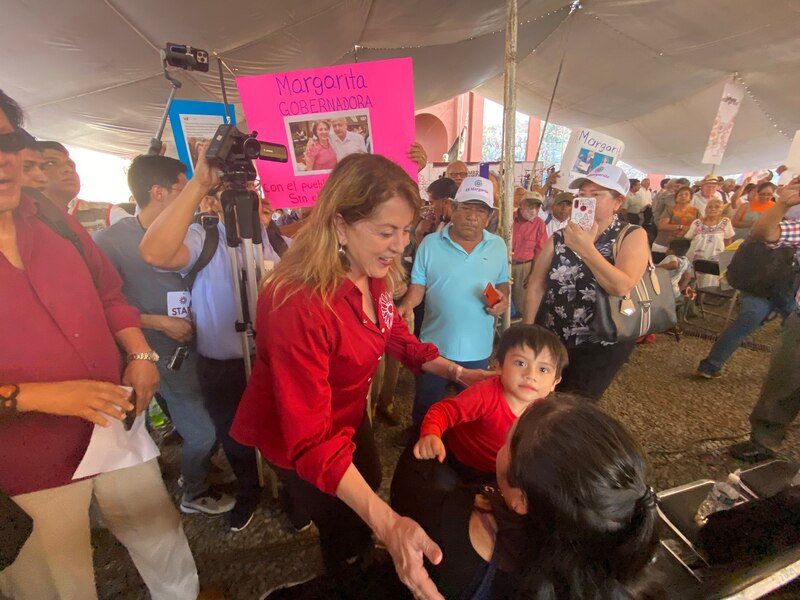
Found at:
[13, 141]
[459, 174]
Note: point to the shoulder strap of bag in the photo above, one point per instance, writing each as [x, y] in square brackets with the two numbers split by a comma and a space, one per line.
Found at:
[623, 233]
[210, 244]
[651, 268]
[52, 217]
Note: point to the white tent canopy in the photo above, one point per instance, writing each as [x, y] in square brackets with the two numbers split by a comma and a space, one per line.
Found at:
[649, 72]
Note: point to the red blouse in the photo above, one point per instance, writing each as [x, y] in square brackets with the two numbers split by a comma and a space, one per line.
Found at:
[308, 391]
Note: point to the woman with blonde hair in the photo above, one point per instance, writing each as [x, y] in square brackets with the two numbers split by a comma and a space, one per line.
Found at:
[325, 317]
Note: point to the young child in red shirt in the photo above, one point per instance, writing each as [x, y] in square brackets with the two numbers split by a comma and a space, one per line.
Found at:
[475, 423]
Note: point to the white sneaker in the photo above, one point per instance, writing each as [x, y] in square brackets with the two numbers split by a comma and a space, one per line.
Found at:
[209, 503]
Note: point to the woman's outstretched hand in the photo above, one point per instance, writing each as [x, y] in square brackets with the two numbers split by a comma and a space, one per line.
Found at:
[408, 543]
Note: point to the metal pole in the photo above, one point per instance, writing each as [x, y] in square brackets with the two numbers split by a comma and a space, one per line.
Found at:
[509, 136]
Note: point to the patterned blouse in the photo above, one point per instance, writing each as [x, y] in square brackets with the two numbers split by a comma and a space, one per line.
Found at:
[572, 289]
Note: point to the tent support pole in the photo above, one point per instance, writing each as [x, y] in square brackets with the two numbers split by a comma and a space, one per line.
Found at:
[509, 136]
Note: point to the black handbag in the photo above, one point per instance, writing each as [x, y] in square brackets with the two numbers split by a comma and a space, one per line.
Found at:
[16, 526]
[763, 271]
[648, 308]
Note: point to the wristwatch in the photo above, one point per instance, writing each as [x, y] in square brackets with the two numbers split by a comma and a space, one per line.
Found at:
[8, 397]
[151, 355]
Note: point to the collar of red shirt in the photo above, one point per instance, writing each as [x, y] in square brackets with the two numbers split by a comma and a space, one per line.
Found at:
[376, 287]
[27, 207]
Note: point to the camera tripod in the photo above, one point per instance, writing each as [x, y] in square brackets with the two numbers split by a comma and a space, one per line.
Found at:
[240, 208]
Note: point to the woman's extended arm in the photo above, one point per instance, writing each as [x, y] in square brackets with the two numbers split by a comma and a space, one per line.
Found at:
[768, 227]
[738, 218]
[536, 283]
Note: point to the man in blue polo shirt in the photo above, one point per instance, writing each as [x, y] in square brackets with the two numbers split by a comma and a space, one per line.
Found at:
[451, 270]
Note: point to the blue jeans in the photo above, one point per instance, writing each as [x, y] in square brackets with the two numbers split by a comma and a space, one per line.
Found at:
[189, 415]
[752, 313]
[430, 389]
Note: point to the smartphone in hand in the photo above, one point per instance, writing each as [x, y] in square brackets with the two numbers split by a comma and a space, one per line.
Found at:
[583, 210]
[130, 416]
[492, 295]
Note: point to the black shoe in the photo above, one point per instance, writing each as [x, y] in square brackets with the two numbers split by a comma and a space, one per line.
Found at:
[751, 452]
[242, 513]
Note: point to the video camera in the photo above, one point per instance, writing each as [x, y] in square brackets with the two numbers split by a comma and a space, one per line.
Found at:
[232, 151]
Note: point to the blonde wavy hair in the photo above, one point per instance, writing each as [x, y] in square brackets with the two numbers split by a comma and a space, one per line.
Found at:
[358, 185]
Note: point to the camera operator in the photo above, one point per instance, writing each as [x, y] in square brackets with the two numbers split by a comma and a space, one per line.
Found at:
[779, 401]
[173, 242]
[164, 301]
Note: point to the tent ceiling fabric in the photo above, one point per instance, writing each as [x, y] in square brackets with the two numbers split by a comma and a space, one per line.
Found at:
[650, 72]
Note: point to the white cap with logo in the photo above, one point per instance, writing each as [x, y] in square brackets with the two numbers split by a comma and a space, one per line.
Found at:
[607, 176]
[476, 189]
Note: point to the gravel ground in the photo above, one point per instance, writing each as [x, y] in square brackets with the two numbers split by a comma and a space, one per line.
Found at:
[684, 423]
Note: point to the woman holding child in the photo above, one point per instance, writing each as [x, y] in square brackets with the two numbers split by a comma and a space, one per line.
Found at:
[325, 318]
[574, 262]
[571, 515]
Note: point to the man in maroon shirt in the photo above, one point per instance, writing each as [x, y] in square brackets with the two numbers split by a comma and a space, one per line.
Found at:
[64, 320]
[528, 238]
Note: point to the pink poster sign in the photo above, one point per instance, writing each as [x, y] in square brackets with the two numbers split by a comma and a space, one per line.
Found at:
[322, 115]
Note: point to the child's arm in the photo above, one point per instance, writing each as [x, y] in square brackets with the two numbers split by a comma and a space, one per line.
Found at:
[684, 280]
[668, 263]
[430, 446]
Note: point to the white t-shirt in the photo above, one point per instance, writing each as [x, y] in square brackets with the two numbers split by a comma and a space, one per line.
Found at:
[677, 273]
[699, 202]
[352, 143]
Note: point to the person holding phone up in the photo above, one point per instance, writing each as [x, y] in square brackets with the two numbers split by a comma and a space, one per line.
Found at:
[577, 259]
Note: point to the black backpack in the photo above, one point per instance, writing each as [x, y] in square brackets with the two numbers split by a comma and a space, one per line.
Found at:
[760, 270]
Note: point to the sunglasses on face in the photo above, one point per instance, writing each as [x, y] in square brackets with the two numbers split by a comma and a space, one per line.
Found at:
[13, 141]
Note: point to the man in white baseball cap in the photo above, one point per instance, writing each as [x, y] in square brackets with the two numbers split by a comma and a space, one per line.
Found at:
[476, 190]
[451, 270]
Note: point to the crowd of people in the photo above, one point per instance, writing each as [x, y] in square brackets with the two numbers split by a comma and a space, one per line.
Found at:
[520, 486]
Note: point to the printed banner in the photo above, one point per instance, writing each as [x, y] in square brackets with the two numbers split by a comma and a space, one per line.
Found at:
[322, 115]
[587, 150]
[194, 122]
[723, 123]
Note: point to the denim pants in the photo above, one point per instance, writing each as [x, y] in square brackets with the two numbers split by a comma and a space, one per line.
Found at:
[188, 412]
[752, 313]
[430, 389]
